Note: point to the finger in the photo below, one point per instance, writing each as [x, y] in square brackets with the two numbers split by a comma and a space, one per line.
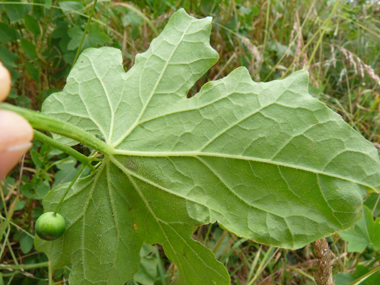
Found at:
[5, 82]
[15, 137]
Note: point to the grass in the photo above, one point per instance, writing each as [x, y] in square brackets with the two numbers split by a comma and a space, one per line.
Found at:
[337, 42]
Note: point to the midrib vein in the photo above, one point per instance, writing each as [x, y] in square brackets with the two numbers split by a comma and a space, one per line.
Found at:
[109, 102]
[153, 91]
[82, 249]
[169, 191]
[195, 154]
[115, 217]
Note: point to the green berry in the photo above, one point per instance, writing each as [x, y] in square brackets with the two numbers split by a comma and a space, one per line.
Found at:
[50, 226]
[367, 256]
[370, 248]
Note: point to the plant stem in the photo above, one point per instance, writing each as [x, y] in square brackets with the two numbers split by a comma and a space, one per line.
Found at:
[266, 25]
[322, 33]
[18, 227]
[50, 269]
[50, 124]
[68, 188]
[321, 28]
[25, 266]
[268, 255]
[290, 44]
[72, 152]
[85, 31]
[365, 276]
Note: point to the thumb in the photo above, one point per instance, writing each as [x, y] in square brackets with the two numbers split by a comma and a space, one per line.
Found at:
[15, 140]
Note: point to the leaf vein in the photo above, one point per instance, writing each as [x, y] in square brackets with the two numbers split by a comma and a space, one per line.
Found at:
[152, 93]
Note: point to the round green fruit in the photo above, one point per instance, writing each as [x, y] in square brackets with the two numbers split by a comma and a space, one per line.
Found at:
[50, 226]
[367, 256]
[370, 248]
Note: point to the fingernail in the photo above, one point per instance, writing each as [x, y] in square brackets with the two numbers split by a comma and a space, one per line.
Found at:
[20, 147]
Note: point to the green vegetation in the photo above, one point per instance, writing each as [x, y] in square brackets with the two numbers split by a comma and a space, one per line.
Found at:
[337, 42]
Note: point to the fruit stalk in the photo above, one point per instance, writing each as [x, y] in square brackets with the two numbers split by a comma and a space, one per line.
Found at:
[72, 152]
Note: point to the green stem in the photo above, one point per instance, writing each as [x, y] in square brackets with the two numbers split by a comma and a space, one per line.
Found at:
[365, 276]
[11, 251]
[25, 266]
[286, 53]
[72, 152]
[266, 32]
[18, 227]
[68, 188]
[323, 33]
[85, 31]
[321, 28]
[49, 124]
[50, 270]
[262, 264]
[6, 238]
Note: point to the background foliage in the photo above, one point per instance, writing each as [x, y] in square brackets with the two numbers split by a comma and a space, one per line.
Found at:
[337, 41]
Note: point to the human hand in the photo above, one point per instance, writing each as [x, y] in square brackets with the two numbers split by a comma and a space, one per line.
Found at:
[16, 133]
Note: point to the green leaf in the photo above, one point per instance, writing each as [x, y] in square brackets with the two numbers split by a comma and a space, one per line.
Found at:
[48, 4]
[75, 34]
[28, 190]
[147, 273]
[277, 47]
[267, 161]
[42, 189]
[344, 278]
[131, 18]
[95, 37]
[32, 25]
[66, 172]
[62, 33]
[7, 57]
[20, 205]
[373, 279]
[70, 6]
[16, 12]
[4, 38]
[33, 72]
[365, 232]
[37, 159]
[29, 49]
[9, 32]
[373, 201]
[26, 243]
[37, 10]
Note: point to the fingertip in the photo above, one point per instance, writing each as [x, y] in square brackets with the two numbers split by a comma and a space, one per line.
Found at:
[5, 82]
[15, 130]
[15, 140]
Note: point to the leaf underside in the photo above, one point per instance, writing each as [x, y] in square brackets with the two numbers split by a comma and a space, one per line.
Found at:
[266, 161]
